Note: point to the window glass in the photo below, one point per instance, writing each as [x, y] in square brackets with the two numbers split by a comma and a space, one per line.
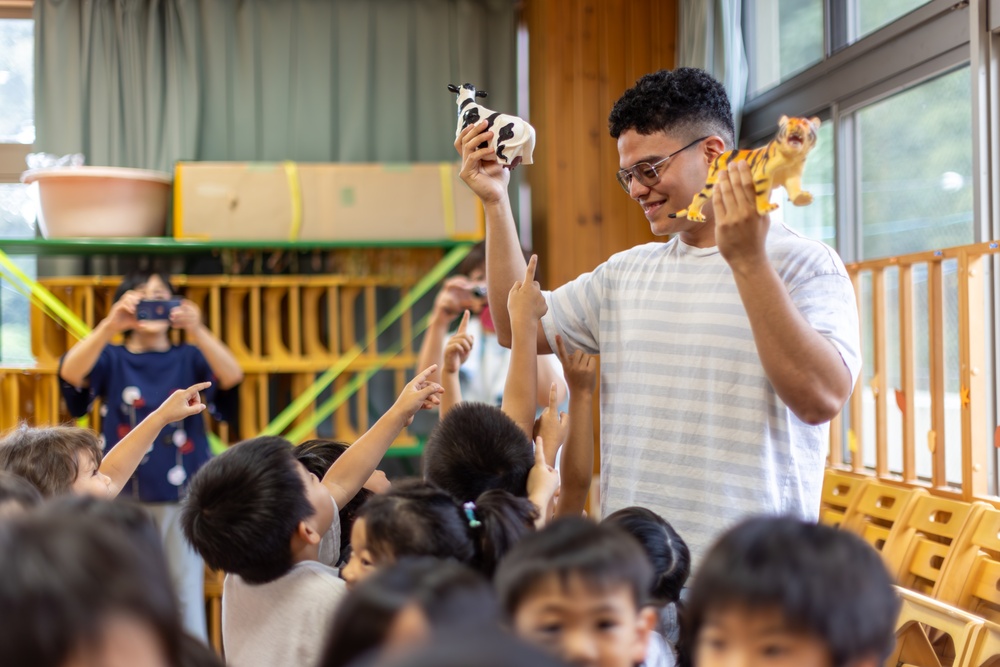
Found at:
[870, 16]
[785, 37]
[916, 189]
[17, 104]
[818, 219]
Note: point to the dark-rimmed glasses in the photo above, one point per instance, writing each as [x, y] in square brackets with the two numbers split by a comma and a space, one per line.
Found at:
[646, 173]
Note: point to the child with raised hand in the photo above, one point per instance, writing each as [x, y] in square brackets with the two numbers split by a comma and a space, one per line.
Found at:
[779, 591]
[257, 514]
[526, 306]
[418, 519]
[577, 464]
[456, 353]
[67, 459]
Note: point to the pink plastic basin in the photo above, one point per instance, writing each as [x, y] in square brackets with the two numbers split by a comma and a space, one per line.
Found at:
[100, 201]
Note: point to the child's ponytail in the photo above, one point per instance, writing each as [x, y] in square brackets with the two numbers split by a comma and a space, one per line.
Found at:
[497, 521]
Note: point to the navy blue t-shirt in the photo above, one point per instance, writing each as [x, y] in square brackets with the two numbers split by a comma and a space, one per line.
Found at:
[132, 386]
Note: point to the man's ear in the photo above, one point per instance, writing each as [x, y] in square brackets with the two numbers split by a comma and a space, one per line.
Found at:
[644, 624]
[712, 148]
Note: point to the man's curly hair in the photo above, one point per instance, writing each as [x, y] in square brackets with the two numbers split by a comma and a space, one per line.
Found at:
[685, 100]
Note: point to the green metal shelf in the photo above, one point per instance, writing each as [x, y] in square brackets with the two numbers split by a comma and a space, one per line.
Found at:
[169, 246]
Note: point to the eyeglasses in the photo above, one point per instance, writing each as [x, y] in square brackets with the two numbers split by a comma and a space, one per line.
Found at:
[646, 173]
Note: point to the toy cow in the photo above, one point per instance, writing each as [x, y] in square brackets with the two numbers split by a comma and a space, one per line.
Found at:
[513, 138]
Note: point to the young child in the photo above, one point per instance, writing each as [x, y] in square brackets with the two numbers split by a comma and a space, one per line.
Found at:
[776, 591]
[475, 448]
[403, 605]
[318, 456]
[257, 514]
[66, 459]
[579, 590]
[77, 591]
[418, 519]
[671, 561]
[577, 464]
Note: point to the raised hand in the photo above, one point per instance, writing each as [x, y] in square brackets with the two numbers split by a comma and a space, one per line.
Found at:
[525, 302]
[182, 403]
[579, 368]
[186, 316]
[543, 483]
[122, 314]
[419, 394]
[456, 352]
[552, 425]
[481, 170]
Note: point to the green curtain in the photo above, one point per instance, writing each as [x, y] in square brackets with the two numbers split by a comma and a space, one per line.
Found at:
[144, 83]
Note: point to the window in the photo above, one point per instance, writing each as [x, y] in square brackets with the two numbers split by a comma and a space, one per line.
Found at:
[916, 189]
[818, 220]
[17, 210]
[785, 37]
[870, 16]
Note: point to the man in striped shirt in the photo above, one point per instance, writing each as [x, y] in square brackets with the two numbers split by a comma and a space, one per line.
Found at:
[724, 352]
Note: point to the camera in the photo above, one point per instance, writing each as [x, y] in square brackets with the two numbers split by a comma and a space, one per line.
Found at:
[479, 292]
[155, 310]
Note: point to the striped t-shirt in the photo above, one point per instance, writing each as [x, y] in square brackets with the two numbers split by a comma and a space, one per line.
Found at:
[690, 425]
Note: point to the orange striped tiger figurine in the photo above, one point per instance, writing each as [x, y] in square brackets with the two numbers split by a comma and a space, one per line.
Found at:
[779, 163]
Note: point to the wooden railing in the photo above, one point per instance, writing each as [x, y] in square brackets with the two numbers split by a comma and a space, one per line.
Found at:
[972, 376]
[284, 330]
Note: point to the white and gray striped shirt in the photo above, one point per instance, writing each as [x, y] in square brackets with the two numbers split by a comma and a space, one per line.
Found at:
[690, 425]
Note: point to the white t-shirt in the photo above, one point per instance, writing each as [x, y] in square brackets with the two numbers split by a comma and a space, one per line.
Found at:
[658, 652]
[690, 425]
[285, 621]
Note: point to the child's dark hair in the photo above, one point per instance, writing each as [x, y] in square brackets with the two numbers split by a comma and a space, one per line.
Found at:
[476, 448]
[16, 493]
[65, 577]
[196, 653]
[244, 506]
[134, 279]
[450, 595]
[317, 456]
[602, 556]
[418, 519]
[686, 100]
[826, 582]
[48, 457]
[128, 517]
[667, 552]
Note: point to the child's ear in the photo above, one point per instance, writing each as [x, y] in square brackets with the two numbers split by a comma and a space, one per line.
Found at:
[644, 624]
[306, 533]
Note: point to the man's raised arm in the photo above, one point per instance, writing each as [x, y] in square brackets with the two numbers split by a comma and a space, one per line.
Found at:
[505, 263]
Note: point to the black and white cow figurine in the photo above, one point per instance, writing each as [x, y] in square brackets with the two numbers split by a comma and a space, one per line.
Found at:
[513, 138]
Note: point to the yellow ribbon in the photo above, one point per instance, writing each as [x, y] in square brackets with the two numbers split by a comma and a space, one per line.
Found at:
[46, 299]
[295, 192]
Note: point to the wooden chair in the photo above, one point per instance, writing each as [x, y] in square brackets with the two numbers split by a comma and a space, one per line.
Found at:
[920, 615]
[841, 492]
[971, 576]
[985, 649]
[920, 543]
[879, 507]
[213, 607]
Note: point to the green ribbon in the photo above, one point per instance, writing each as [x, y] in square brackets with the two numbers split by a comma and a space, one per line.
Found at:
[306, 398]
[344, 393]
[55, 308]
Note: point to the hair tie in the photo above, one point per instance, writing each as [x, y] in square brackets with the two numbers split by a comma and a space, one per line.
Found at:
[470, 514]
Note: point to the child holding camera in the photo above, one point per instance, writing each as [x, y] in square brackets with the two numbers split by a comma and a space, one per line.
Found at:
[132, 380]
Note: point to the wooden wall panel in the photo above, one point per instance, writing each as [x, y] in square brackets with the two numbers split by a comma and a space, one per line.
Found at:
[583, 54]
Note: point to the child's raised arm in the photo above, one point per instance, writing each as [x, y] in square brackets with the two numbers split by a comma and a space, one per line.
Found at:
[553, 426]
[456, 353]
[526, 306]
[120, 463]
[348, 473]
[543, 483]
[577, 465]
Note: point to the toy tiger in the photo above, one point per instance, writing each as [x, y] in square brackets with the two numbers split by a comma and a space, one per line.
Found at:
[779, 163]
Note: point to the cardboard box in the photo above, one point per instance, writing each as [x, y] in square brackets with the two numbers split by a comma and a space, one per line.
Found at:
[287, 201]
